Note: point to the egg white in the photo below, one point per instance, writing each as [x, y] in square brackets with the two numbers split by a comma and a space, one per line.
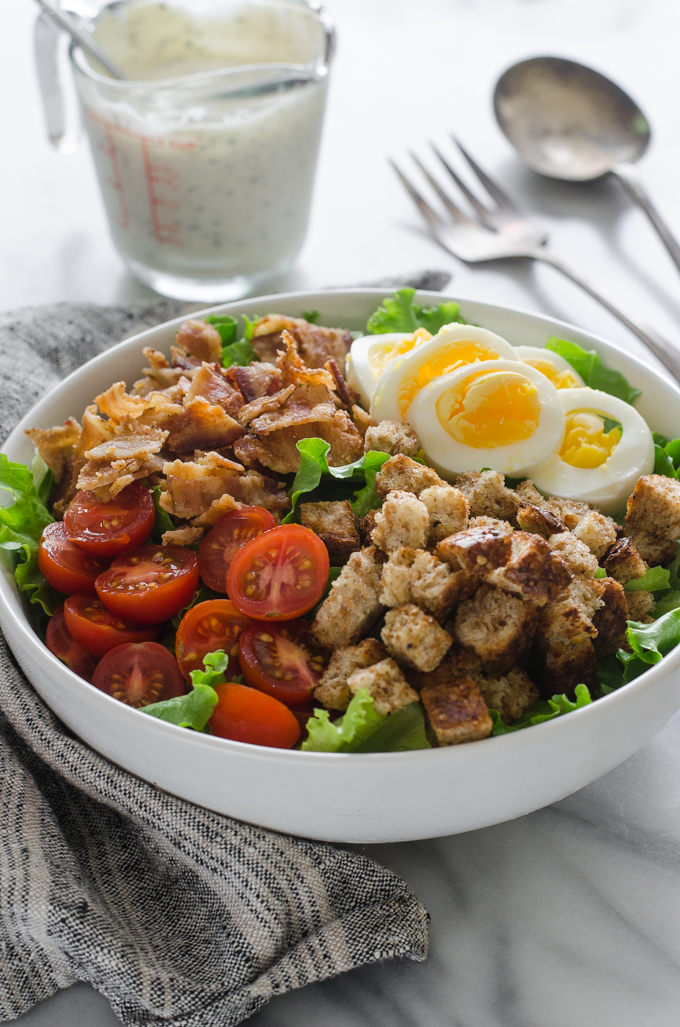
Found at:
[386, 404]
[368, 353]
[519, 459]
[608, 486]
[528, 354]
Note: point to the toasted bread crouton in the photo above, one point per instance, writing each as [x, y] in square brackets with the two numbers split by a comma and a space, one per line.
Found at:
[610, 619]
[386, 684]
[498, 626]
[396, 577]
[564, 637]
[366, 526]
[528, 493]
[458, 663]
[532, 571]
[414, 638]
[362, 420]
[334, 524]
[623, 562]
[574, 553]
[352, 606]
[653, 517]
[569, 511]
[539, 521]
[392, 437]
[406, 475]
[640, 605]
[487, 494]
[333, 690]
[512, 694]
[475, 550]
[456, 711]
[597, 531]
[436, 588]
[403, 521]
[504, 527]
[448, 510]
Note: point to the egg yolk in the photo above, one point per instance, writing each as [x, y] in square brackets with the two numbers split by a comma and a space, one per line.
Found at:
[586, 443]
[456, 354]
[490, 410]
[382, 355]
[561, 379]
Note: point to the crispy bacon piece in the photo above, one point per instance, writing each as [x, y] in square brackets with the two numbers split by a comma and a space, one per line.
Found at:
[201, 425]
[211, 383]
[57, 446]
[131, 453]
[278, 448]
[152, 409]
[184, 536]
[201, 340]
[255, 380]
[264, 404]
[347, 396]
[158, 375]
[211, 485]
[316, 343]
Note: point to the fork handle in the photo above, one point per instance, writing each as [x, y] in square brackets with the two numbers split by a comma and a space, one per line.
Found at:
[660, 347]
[630, 180]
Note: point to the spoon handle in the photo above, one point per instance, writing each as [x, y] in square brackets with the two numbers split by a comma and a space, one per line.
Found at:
[630, 180]
[666, 352]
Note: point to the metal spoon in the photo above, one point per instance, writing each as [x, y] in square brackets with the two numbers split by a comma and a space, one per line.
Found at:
[567, 121]
[66, 21]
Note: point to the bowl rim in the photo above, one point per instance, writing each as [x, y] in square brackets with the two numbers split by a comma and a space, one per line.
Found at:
[597, 708]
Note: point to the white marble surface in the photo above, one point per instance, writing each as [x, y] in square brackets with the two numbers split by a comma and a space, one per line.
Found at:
[568, 917]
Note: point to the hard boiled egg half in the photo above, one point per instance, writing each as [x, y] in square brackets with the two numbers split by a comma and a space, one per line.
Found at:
[371, 354]
[552, 365]
[500, 414]
[453, 347]
[598, 462]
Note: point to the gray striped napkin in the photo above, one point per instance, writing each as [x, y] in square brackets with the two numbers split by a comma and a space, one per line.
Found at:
[177, 915]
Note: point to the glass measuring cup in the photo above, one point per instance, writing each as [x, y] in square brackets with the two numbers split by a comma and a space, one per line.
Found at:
[207, 177]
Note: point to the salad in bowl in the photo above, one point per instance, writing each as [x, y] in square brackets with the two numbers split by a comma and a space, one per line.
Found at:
[414, 536]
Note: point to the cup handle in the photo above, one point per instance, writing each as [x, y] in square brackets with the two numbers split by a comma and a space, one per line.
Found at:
[48, 38]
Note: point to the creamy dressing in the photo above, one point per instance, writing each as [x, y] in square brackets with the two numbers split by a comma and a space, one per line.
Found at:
[207, 177]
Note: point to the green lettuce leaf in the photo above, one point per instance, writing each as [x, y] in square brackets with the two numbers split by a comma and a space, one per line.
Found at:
[600, 573]
[401, 314]
[656, 579]
[541, 711]
[669, 601]
[663, 464]
[345, 734]
[651, 642]
[193, 710]
[250, 325]
[361, 729]
[21, 527]
[594, 373]
[402, 731]
[609, 674]
[314, 468]
[311, 316]
[227, 327]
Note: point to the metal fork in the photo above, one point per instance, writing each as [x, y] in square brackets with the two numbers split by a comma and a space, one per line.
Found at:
[502, 231]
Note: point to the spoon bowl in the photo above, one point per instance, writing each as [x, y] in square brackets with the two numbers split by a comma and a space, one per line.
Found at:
[567, 121]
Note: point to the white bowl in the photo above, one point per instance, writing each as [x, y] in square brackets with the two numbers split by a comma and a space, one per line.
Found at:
[381, 797]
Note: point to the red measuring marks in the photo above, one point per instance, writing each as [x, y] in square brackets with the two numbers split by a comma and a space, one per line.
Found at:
[162, 180]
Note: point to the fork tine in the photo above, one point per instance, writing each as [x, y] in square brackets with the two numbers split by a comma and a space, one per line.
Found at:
[469, 195]
[494, 190]
[430, 215]
[455, 212]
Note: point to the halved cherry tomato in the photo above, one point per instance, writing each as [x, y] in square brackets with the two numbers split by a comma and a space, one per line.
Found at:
[139, 674]
[215, 624]
[108, 529]
[223, 541]
[280, 660]
[150, 584]
[247, 715]
[98, 630]
[279, 575]
[67, 567]
[64, 646]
